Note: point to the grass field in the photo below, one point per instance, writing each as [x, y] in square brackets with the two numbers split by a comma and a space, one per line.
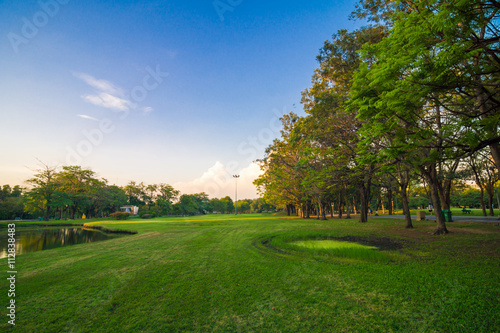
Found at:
[249, 274]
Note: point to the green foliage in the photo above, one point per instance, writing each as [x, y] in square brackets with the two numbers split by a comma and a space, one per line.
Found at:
[419, 202]
[119, 215]
[468, 198]
[244, 206]
[147, 214]
[136, 193]
[223, 205]
[260, 205]
[11, 203]
[187, 205]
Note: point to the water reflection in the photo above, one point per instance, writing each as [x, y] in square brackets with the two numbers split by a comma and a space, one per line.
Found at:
[43, 239]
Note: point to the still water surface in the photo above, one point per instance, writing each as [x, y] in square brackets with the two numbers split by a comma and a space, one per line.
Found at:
[43, 239]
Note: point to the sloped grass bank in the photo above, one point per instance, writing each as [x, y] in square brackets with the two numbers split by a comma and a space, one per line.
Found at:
[213, 274]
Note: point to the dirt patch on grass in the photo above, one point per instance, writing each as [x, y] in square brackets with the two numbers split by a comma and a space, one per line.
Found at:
[474, 230]
[422, 233]
[266, 243]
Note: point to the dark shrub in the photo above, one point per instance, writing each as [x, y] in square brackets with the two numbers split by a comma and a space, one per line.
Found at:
[120, 215]
[147, 215]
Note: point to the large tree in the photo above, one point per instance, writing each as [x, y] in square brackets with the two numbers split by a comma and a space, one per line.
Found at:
[484, 175]
[44, 191]
[281, 180]
[136, 193]
[432, 90]
[80, 187]
[335, 126]
[165, 198]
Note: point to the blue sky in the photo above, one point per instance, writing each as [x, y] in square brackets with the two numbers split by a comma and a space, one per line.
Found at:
[180, 92]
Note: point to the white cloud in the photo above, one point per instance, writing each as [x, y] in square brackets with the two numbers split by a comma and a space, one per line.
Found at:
[108, 101]
[101, 85]
[218, 182]
[108, 95]
[84, 116]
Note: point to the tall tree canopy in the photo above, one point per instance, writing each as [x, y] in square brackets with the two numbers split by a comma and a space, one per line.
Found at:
[430, 90]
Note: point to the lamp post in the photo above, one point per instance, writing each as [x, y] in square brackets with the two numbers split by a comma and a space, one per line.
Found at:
[236, 194]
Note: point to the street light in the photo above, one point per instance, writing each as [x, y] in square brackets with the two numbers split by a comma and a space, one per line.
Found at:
[236, 194]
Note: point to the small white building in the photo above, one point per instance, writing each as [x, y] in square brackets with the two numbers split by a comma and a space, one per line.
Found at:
[132, 210]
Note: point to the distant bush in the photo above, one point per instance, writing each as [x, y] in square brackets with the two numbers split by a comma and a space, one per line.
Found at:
[147, 215]
[120, 215]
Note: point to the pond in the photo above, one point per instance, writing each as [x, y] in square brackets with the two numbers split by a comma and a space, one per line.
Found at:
[32, 240]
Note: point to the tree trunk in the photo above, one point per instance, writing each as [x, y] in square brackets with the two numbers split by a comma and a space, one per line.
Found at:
[363, 210]
[446, 186]
[323, 206]
[46, 213]
[389, 198]
[340, 204]
[440, 221]
[481, 188]
[490, 191]
[430, 173]
[490, 204]
[404, 180]
[495, 154]
[442, 197]
[481, 199]
[406, 208]
[347, 208]
[364, 191]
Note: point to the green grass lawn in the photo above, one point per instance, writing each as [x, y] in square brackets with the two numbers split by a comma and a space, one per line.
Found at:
[245, 274]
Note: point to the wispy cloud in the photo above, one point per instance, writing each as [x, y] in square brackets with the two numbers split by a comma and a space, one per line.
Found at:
[101, 85]
[108, 101]
[84, 116]
[108, 95]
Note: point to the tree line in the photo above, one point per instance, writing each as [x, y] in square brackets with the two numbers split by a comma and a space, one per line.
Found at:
[413, 97]
[72, 191]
